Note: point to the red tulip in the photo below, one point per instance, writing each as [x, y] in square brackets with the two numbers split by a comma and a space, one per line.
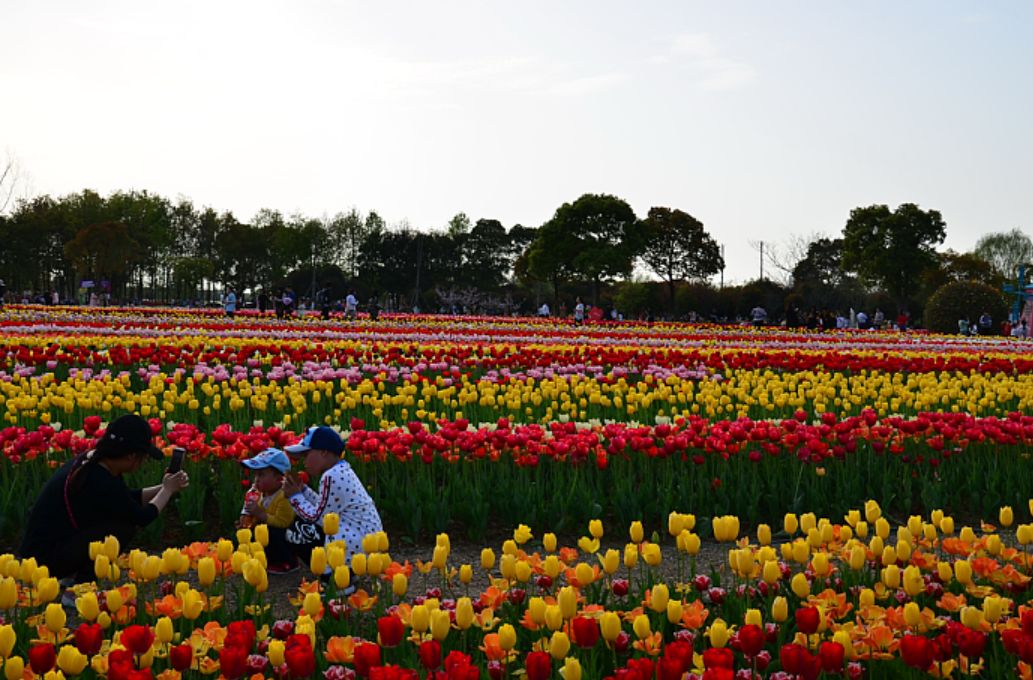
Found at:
[42, 658]
[391, 630]
[916, 651]
[181, 656]
[241, 634]
[718, 674]
[798, 661]
[120, 664]
[367, 655]
[807, 620]
[233, 661]
[669, 668]
[88, 638]
[751, 639]
[972, 643]
[539, 666]
[718, 657]
[586, 631]
[137, 639]
[429, 653]
[832, 655]
[299, 656]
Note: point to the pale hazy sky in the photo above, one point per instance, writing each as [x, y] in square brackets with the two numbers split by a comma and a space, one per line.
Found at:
[762, 119]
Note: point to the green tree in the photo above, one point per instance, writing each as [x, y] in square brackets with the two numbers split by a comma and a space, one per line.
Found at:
[1005, 251]
[892, 248]
[485, 256]
[594, 239]
[459, 225]
[676, 247]
[105, 250]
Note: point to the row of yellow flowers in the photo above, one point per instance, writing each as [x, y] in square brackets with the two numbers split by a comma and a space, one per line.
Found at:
[740, 394]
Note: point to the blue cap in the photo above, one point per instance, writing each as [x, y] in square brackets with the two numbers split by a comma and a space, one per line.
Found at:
[320, 438]
[270, 458]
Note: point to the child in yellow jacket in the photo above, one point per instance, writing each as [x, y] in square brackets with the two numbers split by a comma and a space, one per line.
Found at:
[265, 503]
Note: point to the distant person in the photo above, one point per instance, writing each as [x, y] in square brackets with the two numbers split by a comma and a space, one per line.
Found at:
[758, 316]
[986, 323]
[1020, 330]
[579, 311]
[862, 321]
[879, 319]
[543, 311]
[55, 299]
[3, 292]
[902, 321]
[351, 306]
[373, 307]
[323, 300]
[230, 302]
[963, 326]
[263, 302]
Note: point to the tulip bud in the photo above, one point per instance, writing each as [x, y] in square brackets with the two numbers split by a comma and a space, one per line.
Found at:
[549, 542]
[571, 668]
[1006, 516]
[674, 611]
[947, 526]
[114, 600]
[399, 585]
[630, 555]
[675, 523]
[224, 549]
[243, 536]
[332, 524]
[342, 577]
[753, 617]
[992, 609]
[971, 618]
[857, 557]
[718, 633]
[891, 576]
[807, 522]
[14, 668]
[872, 511]
[54, 617]
[317, 561]
[487, 559]
[1024, 534]
[440, 624]
[861, 529]
[420, 618]
[70, 660]
[611, 562]
[553, 617]
[636, 532]
[595, 528]
[464, 613]
[764, 534]
[559, 645]
[659, 596]
[507, 637]
[359, 564]
[780, 609]
[912, 614]
[963, 572]
[609, 626]
[641, 627]
[163, 630]
[275, 652]
[7, 640]
[790, 524]
[801, 586]
[585, 574]
[508, 567]
[820, 564]
[536, 610]
[866, 598]
[567, 600]
[465, 574]
[312, 604]
[771, 572]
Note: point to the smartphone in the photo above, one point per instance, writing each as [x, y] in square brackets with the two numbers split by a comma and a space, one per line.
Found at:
[176, 464]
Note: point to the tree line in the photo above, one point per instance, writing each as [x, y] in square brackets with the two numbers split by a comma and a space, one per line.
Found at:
[148, 248]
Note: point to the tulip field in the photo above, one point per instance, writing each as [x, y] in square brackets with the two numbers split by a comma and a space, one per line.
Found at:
[872, 489]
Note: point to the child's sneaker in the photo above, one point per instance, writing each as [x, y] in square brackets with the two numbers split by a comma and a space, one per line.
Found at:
[282, 568]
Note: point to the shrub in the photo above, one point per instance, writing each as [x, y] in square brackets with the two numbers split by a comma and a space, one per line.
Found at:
[963, 299]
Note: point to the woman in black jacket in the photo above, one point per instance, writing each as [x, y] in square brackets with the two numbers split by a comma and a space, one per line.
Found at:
[87, 500]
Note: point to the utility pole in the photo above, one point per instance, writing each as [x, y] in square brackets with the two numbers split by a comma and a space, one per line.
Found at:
[761, 260]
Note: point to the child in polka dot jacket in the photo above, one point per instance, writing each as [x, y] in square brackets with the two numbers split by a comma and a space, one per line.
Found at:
[340, 490]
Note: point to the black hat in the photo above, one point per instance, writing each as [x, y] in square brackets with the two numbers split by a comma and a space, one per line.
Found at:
[131, 434]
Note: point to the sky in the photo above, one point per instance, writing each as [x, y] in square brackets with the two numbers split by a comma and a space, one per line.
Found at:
[764, 120]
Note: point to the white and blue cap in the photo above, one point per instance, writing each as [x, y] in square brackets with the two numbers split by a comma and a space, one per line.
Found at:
[321, 438]
[270, 458]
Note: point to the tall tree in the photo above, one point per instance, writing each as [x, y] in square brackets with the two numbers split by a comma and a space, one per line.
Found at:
[1005, 251]
[891, 248]
[595, 238]
[676, 247]
[485, 256]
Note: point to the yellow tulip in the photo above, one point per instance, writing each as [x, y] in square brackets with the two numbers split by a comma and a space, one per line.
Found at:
[358, 564]
[609, 626]
[420, 618]
[790, 524]
[163, 631]
[465, 574]
[912, 614]
[718, 633]
[780, 609]
[536, 609]
[559, 645]
[972, 617]
[276, 652]
[641, 627]
[808, 521]
[487, 559]
[440, 624]
[753, 617]
[651, 554]
[595, 528]
[14, 668]
[801, 586]
[992, 607]
[771, 572]
[866, 597]
[54, 617]
[522, 534]
[549, 542]
[243, 536]
[370, 541]
[764, 534]
[464, 613]
[820, 563]
[331, 523]
[8, 592]
[193, 604]
[891, 576]
[861, 529]
[102, 567]
[963, 572]
[507, 637]
[88, 606]
[553, 617]
[688, 542]
[317, 561]
[659, 597]
[571, 669]
[262, 535]
[567, 600]
[205, 571]
[1024, 534]
[399, 584]
[947, 526]
[312, 604]
[224, 549]
[636, 532]
[7, 640]
[1006, 516]
[111, 548]
[801, 551]
[342, 577]
[872, 511]
[611, 562]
